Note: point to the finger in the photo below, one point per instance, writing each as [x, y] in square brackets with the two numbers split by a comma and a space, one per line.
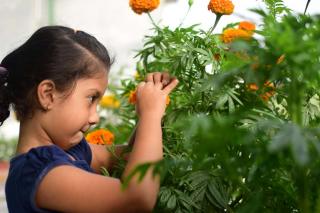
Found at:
[140, 85]
[159, 85]
[165, 78]
[171, 86]
[149, 77]
[157, 77]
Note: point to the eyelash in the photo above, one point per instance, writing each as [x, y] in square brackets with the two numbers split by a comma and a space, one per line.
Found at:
[92, 98]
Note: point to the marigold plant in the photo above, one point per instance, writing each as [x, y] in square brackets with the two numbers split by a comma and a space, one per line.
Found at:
[143, 6]
[234, 142]
[101, 137]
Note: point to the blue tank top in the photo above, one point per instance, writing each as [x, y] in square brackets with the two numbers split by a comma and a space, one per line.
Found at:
[28, 169]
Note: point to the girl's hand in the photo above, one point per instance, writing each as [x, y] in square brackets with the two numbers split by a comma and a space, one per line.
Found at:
[152, 94]
[157, 77]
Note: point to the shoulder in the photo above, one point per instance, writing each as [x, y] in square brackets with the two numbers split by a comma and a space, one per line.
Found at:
[26, 172]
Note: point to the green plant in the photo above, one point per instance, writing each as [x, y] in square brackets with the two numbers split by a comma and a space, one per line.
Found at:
[231, 147]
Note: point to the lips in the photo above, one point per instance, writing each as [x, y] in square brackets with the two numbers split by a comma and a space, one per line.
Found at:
[85, 129]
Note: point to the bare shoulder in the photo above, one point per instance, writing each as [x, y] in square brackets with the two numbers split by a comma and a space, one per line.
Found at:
[69, 189]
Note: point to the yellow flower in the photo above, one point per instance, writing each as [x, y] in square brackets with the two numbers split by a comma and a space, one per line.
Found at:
[143, 6]
[109, 101]
[231, 34]
[133, 97]
[247, 26]
[101, 137]
[137, 75]
[221, 7]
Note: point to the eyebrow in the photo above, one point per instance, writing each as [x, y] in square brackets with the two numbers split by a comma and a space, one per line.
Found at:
[97, 93]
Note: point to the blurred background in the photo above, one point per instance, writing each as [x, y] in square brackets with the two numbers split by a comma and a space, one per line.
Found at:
[115, 25]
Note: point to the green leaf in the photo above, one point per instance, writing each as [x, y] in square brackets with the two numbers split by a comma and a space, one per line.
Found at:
[172, 202]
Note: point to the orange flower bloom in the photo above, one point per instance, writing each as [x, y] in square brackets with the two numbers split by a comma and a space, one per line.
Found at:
[247, 26]
[269, 86]
[252, 87]
[143, 6]
[280, 59]
[221, 7]
[231, 34]
[109, 101]
[267, 95]
[101, 137]
[133, 98]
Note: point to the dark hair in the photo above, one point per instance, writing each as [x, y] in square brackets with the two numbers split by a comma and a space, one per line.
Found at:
[58, 53]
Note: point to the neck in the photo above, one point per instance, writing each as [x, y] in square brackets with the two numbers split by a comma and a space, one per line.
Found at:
[31, 134]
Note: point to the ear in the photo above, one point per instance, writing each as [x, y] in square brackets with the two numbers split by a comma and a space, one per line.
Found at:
[46, 94]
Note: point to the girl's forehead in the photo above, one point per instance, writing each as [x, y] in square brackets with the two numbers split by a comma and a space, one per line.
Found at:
[98, 81]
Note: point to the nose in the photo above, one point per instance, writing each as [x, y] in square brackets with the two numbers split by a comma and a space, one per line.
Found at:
[94, 117]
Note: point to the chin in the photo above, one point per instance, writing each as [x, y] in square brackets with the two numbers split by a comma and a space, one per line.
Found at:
[76, 139]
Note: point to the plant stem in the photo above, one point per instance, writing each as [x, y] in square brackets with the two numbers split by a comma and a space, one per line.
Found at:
[295, 100]
[185, 16]
[305, 10]
[154, 23]
[218, 16]
[302, 182]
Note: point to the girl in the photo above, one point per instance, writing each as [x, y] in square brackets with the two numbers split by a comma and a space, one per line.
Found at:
[54, 82]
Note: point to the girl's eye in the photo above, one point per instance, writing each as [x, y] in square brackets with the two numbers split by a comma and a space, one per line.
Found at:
[92, 99]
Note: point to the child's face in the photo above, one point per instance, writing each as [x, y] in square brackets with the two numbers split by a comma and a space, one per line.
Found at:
[71, 116]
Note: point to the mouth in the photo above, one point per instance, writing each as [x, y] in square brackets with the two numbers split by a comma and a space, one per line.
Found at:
[84, 130]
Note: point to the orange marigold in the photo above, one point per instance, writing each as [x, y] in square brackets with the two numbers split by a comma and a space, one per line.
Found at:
[252, 87]
[221, 7]
[246, 25]
[101, 137]
[143, 6]
[268, 86]
[133, 98]
[267, 95]
[231, 34]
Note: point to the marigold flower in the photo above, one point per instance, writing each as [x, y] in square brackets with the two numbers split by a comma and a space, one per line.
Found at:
[221, 7]
[133, 98]
[231, 34]
[252, 87]
[109, 101]
[101, 137]
[269, 86]
[280, 59]
[267, 95]
[143, 6]
[247, 26]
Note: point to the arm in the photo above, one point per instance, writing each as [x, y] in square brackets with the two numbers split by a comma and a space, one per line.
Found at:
[101, 156]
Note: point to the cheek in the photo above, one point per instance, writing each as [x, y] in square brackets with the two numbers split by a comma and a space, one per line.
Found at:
[71, 117]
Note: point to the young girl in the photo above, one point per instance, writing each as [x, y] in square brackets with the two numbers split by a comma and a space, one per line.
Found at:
[54, 82]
